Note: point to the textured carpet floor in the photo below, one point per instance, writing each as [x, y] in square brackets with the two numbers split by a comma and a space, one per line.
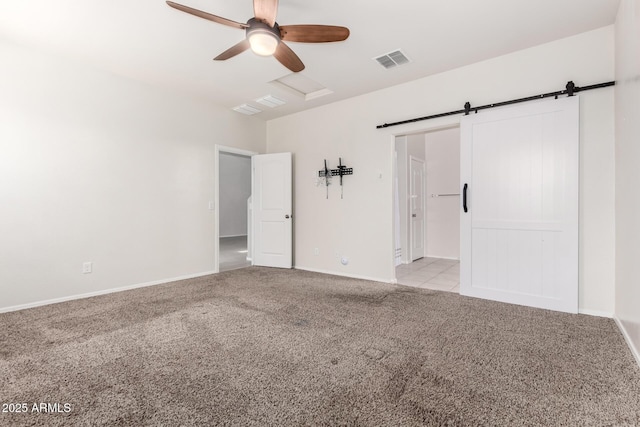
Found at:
[265, 347]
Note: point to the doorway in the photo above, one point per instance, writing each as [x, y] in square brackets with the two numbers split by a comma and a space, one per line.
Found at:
[232, 208]
[269, 239]
[234, 197]
[436, 265]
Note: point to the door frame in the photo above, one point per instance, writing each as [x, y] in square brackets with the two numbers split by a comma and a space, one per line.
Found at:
[216, 196]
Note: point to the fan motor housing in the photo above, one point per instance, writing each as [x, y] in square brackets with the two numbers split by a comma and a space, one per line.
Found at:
[256, 25]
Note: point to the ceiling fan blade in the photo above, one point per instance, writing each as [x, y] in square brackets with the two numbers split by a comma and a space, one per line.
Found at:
[266, 11]
[288, 58]
[313, 33]
[209, 16]
[233, 51]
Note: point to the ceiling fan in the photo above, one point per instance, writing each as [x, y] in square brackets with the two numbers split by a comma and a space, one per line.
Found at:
[265, 37]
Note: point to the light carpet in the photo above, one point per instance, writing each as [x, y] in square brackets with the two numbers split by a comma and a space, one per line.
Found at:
[261, 346]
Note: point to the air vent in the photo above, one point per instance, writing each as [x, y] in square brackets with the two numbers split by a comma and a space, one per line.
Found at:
[270, 101]
[247, 109]
[392, 59]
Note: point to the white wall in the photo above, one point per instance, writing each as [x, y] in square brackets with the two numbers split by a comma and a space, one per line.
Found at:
[627, 308]
[235, 189]
[361, 227]
[415, 146]
[95, 167]
[443, 177]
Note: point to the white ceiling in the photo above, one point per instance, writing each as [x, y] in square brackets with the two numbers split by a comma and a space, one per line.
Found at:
[148, 40]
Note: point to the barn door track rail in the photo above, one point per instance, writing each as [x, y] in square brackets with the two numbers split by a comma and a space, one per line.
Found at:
[570, 90]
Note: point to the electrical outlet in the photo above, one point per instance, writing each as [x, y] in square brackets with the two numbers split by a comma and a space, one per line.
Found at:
[316, 251]
[87, 267]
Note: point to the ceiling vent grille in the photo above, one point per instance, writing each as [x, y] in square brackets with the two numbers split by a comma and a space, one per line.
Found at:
[247, 109]
[392, 59]
[270, 101]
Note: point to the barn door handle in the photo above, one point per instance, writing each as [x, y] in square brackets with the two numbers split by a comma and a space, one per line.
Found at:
[464, 197]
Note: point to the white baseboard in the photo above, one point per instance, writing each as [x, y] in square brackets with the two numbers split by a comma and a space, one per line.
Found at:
[595, 313]
[97, 293]
[339, 273]
[627, 338]
[442, 257]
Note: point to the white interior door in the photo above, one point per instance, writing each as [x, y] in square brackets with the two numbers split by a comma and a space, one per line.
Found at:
[272, 214]
[519, 234]
[417, 221]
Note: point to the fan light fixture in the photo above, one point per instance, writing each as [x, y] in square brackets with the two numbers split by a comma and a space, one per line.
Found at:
[263, 43]
[265, 37]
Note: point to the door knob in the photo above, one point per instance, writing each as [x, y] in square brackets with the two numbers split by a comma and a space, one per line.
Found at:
[286, 216]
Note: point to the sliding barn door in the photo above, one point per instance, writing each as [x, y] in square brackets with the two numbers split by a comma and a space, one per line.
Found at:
[519, 177]
[272, 214]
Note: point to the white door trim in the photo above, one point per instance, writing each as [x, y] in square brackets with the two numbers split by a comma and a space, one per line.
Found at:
[216, 197]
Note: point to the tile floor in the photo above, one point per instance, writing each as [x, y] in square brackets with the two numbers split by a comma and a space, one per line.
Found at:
[431, 273]
[233, 253]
